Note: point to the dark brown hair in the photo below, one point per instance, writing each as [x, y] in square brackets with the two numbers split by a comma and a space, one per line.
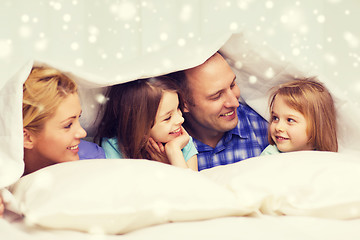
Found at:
[130, 114]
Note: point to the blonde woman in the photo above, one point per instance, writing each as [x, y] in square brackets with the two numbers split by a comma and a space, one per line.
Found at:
[51, 112]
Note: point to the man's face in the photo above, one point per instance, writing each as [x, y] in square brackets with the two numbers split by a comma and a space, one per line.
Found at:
[215, 97]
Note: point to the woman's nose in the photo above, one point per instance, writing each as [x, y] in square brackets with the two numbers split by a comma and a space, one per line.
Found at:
[81, 133]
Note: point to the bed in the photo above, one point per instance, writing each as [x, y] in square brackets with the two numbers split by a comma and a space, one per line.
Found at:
[300, 195]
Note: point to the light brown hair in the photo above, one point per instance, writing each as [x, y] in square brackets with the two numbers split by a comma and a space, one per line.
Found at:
[311, 98]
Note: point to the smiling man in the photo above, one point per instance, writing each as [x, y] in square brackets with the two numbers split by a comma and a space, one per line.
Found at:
[224, 130]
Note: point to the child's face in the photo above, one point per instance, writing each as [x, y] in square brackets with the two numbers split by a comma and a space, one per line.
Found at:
[58, 140]
[168, 119]
[288, 127]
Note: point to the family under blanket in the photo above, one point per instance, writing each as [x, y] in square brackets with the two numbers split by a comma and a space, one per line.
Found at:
[191, 119]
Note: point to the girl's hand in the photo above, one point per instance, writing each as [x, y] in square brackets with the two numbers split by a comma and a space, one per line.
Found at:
[156, 151]
[178, 142]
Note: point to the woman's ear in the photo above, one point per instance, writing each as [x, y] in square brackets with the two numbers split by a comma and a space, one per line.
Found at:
[28, 139]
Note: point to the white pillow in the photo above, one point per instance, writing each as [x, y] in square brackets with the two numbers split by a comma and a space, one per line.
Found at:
[311, 183]
[117, 196]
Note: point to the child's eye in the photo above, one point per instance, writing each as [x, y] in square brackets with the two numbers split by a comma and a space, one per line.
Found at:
[274, 118]
[68, 126]
[290, 120]
[167, 119]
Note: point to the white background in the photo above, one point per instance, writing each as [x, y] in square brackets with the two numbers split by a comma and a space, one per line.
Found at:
[98, 36]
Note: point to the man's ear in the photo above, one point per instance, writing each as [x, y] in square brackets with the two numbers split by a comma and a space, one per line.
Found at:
[28, 139]
[185, 109]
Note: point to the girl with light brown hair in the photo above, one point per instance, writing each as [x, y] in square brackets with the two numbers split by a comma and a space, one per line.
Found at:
[302, 117]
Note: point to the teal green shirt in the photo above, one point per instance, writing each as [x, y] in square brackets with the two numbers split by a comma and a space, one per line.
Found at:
[110, 146]
[269, 150]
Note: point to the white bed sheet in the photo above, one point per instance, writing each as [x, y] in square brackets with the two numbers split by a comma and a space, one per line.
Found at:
[249, 228]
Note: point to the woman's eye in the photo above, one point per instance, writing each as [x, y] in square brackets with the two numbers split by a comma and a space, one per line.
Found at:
[68, 126]
[167, 119]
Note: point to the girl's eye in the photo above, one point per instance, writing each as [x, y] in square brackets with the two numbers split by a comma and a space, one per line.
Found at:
[68, 126]
[290, 120]
[167, 119]
[274, 118]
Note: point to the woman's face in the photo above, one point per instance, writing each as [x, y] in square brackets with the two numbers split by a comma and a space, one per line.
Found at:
[58, 140]
[168, 119]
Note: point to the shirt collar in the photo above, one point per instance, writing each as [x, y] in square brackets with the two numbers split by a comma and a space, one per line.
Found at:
[241, 130]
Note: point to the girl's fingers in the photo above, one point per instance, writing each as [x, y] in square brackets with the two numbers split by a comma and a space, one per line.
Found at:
[156, 146]
[161, 147]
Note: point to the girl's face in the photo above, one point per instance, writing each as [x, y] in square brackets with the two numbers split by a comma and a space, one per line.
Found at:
[288, 127]
[58, 140]
[168, 119]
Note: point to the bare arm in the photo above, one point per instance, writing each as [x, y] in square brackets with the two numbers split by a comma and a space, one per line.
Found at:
[193, 163]
[171, 152]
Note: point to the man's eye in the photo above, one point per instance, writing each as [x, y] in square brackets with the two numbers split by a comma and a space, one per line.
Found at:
[216, 97]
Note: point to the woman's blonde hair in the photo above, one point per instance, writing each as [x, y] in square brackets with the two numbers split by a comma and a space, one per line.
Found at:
[311, 98]
[43, 91]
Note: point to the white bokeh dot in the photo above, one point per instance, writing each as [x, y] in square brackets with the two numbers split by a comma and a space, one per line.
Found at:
[252, 79]
[269, 4]
[186, 12]
[100, 98]
[41, 44]
[67, 17]
[125, 10]
[25, 18]
[119, 55]
[5, 48]
[25, 31]
[92, 39]
[321, 18]
[238, 64]
[181, 42]
[270, 73]
[79, 62]
[74, 46]
[295, 52]
[233, 26]
[163, 36]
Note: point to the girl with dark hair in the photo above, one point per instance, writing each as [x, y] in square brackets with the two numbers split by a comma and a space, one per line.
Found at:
[142, 120]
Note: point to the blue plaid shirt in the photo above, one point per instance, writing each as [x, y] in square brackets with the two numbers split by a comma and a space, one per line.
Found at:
[248, 139]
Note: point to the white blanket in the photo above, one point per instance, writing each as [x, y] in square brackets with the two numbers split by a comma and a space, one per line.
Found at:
[257, 68]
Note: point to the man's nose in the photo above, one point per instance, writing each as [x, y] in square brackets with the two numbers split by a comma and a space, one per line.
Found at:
[231, 100]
